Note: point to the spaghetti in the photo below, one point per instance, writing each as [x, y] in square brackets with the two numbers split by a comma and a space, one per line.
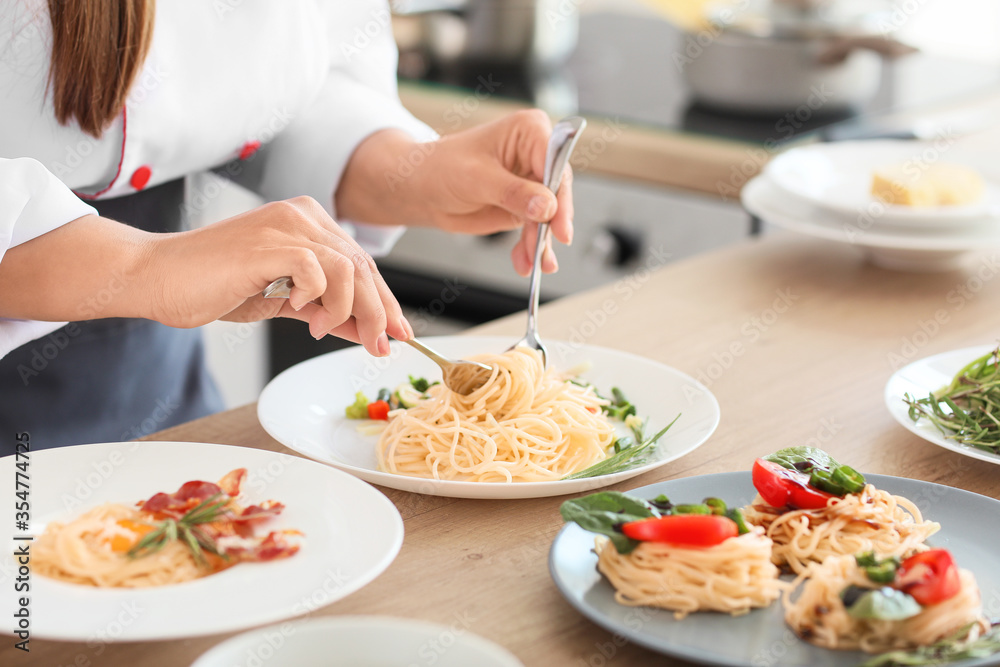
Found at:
[167, 539]
[733, 577]
[819, 616]
[872, 520]
[525, 424]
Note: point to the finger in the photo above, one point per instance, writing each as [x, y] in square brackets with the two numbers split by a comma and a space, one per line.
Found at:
[488, 220]
[337, 301]
[348, 330]
[518, 196]
[562, 221]
[381, 310]
[519, 257]
[523, 254]
[301, 264]
[368, 309]
[549, 262]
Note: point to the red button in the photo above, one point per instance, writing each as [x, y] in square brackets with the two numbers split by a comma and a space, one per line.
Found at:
[249, 148]
[141, 177]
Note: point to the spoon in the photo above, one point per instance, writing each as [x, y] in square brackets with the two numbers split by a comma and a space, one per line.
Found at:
[564, 137]
[462, 377]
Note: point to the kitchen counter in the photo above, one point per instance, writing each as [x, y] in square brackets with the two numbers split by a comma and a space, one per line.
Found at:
[795, 337]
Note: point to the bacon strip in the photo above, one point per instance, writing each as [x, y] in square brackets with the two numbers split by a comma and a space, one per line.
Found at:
[266, 509]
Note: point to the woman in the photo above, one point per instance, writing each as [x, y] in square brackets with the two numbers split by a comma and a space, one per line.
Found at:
[118, 100]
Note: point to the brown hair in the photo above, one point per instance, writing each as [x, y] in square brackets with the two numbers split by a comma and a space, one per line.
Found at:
[98, 47]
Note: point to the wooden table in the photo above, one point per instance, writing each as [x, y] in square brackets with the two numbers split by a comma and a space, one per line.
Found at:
[795, 337]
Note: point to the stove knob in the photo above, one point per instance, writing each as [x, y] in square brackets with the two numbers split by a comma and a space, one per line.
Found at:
[617, 245]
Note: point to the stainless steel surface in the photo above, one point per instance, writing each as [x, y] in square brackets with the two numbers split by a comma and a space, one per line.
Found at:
[565, 134]
[462, 377]
[279, 289]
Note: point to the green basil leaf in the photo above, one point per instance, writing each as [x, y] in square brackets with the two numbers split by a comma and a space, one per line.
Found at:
[884, 604]
[601, 513]
[803, 459]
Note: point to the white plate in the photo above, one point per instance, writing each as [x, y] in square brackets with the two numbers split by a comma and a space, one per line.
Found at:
[761, 636]
[359, 641]
[352, 533]
[303, 408]
[898, 249]
[838, 177]
[921, 378]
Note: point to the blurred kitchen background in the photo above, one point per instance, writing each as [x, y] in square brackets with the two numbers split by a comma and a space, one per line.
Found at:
[687, 100]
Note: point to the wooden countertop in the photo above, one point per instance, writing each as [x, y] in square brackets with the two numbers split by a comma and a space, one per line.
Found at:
[795, 337]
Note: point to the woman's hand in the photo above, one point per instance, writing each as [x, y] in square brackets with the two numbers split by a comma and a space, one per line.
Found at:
[95, 268]
[218, 272]
[483, 180]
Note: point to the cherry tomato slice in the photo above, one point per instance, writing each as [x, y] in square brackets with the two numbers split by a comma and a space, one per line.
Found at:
[930, 576]
[378, 410]
[781, 487]
[686, 530]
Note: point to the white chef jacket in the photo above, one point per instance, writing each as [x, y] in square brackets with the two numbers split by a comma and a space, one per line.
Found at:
[293, 87]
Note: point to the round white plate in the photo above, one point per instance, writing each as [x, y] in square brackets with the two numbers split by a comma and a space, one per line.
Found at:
[838, 177]
[352, 533]
[921, 378]
[899, 249]
[359, 641]
[761, 636]
[303, 408]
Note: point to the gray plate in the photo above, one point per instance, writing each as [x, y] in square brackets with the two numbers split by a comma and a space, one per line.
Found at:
[970, 524]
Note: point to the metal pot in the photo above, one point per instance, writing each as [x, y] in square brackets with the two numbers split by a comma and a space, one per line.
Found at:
[532, 32]
[778, 56]
[742, 72]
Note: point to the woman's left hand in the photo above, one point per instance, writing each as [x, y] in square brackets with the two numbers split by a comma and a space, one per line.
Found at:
[483, 180]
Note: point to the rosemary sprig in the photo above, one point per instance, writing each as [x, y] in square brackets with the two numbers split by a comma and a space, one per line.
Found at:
[186, 530]
[626, 459]
[968, 409]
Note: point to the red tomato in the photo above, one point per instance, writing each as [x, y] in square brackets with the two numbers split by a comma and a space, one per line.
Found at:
[686, 530]
[378, 410]
[930, 576]
[780, 487]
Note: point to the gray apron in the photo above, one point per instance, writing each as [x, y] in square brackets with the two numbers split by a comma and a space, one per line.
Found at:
[109, 380]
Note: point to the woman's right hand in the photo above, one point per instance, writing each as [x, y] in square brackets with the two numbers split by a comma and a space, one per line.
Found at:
[219, 271]
[94, 268]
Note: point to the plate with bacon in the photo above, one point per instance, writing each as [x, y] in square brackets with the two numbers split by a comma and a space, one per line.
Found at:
[162, 540]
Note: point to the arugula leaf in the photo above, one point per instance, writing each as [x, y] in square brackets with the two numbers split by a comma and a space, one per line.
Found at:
[602, 512]
[883, 604]
[950, 649]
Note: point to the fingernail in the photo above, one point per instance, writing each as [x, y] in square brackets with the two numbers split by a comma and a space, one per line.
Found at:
[382, 345]
[405, 323]
[538, 208]
[569, 236]
[294, 302]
